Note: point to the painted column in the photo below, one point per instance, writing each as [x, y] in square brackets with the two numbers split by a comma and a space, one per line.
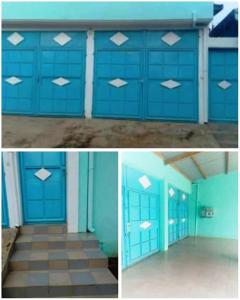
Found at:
[13, 190]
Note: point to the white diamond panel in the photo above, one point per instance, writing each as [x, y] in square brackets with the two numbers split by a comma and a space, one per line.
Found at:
[119, 39]
[171, 38]
[183, 197]
[224, 84]
[13, 80]
[117, 82]
[171, 192]
[60, 81]
[145, 182]
[171, 221]
[15, 38]
[170, 84]
[145, 225]
[43, 174]
[62, 38]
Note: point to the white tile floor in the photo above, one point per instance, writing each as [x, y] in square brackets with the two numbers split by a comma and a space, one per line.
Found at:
[194, 267]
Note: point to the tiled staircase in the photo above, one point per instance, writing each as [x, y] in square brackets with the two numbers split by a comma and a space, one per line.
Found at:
[48, 262]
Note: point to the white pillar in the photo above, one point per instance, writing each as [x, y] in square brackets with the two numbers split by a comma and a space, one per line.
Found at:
[203, 76]
[13, 191]
[72, 191]
[89, 74]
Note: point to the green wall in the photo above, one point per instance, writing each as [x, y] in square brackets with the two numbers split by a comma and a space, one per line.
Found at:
[221, 193]
[150, 163]
[106, 11]
[105, 217]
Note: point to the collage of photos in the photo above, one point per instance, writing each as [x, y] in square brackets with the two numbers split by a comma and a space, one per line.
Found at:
[119, 149]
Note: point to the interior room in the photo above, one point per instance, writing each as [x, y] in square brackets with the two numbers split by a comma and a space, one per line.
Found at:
[179, 223]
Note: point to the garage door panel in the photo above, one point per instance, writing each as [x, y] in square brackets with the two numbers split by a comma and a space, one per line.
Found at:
[113, 101]
[188, 39]
[103, 40]
[28, 40]
[38, 56]
[70, 39]
[18, 98]
[223, 87]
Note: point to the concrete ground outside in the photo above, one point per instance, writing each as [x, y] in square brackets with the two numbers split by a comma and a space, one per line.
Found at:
[36, 132]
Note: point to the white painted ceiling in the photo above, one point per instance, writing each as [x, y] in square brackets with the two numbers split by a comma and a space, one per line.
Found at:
[211, 163]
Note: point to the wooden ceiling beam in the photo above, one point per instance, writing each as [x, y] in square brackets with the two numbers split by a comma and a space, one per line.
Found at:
[159, 154]
[179, 157]
[199, 168]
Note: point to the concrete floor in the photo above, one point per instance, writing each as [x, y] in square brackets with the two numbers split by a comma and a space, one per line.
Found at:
[191, 268]
[35, 132]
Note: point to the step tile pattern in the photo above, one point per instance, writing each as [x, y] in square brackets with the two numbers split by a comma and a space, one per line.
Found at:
[48, 262]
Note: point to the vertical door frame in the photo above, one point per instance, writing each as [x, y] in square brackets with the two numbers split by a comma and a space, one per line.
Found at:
[13, 188]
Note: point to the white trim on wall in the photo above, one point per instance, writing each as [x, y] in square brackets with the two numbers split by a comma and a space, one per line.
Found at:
[89, 74]
[13, 191]
[72, 170]
[222, 42]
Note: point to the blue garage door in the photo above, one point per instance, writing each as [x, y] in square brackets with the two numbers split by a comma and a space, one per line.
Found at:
[5, 218]
[141, 196]
[146, 75]
[43, 73]
[177, 215]
[43, 186]
[223, 85]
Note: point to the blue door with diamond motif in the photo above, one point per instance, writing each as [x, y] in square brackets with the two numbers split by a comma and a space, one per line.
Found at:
[146, 75]
[223, 85]
[177, 214]
[43, 186]
[43, 73]
[140, 198]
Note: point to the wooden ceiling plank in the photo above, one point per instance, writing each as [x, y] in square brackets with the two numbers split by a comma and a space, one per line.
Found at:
[199, 168]
[179, 157]
[181, 172]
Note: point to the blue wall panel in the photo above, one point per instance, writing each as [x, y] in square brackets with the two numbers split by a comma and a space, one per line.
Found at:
[140, 207]
[5, 218]
[43, 200]
[38, 60]
[144, 61]
[223, 103]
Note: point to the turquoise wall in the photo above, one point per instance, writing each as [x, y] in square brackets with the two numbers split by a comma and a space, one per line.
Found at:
[150, 163]
[105, 217]
[107, 10]
[221, 193]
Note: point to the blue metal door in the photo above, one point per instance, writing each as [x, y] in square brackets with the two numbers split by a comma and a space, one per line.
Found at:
[183, 215]
[5, 218]
[177, 215]
[118, 74]
[43, 185]
[43, 73]
[223, 85]
[146, 75]
[172, 214]
[141, 196]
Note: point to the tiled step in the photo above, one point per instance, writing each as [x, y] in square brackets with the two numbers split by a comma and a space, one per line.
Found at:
[60, 283]
[23, 260]
[56, 241]
[43, 229]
